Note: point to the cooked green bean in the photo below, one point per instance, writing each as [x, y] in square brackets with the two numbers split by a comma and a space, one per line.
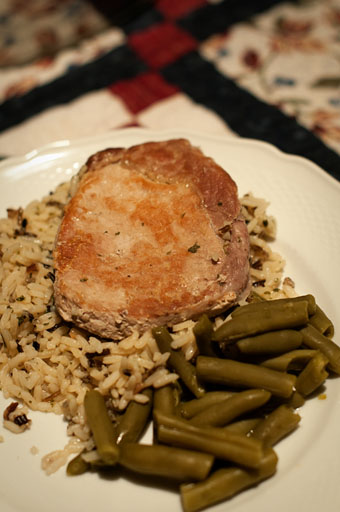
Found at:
[313, 375]
[177, 361]
[176, 422]
[166, 461]
[101, 426]
[248, 456]
[296, 400]
[225, 483]
[165, 399]
[77, 466]
[192, 407]
[312, 338]
[244, 375]
[220, 414]
[270, 317]
[230, 446]
[134, 420]
[199, 431]
[322, 323]
[258, 307]
[203, 331]
[294, 360]
[276, 425]
[274, 342]
[242, 426]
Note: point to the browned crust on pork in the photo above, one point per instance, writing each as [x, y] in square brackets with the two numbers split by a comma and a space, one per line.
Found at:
[173, 163]
[177, 160]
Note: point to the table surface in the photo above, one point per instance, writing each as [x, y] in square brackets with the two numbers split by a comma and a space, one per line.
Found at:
[267, 70]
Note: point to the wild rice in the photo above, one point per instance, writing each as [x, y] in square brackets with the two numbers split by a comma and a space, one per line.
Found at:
[48, 365]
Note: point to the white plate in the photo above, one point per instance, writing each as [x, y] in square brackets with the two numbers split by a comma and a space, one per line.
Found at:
[305, 201]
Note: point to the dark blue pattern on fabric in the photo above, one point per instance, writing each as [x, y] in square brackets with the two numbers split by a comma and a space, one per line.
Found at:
[217, 18]
[119, 64]
[144, 21]
[245, 114]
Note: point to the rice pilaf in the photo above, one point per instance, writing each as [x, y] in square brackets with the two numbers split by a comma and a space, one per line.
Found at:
[48, 365]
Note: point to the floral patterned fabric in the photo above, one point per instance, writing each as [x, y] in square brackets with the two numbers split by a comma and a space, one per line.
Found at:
[34, 29]
[264, 69]
[288, 56]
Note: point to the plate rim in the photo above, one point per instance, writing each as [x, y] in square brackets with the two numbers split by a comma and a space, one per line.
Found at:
[78, 142]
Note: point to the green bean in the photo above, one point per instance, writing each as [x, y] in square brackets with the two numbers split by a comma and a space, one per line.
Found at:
[218, 415]
[294, 360]
[192, 407]
[166, 461]
[244, 375]
[244, 426]
[101, 426]
[259, 306]
[177, 361]
[221, 443]
[296, 400]
[274, 342]
[276, 425]
[203, 331]
[176, 422]
[77, 466]
[225, 483]
[312, 338]
[166, 399]
[134, 419]
[313, 375]
[203, 429]
[247, 456]
[322, 323]
[270, 317]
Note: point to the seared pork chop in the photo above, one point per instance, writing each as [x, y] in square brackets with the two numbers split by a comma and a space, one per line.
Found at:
[152, 236]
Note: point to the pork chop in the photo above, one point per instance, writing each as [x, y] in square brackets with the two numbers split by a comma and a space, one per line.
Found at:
[152, 236]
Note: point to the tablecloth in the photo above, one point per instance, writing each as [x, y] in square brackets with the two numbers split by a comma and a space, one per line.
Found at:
[264, 69]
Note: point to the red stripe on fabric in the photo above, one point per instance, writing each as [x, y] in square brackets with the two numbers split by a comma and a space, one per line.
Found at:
[142, 91]
[162, 44]
[173, 10]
